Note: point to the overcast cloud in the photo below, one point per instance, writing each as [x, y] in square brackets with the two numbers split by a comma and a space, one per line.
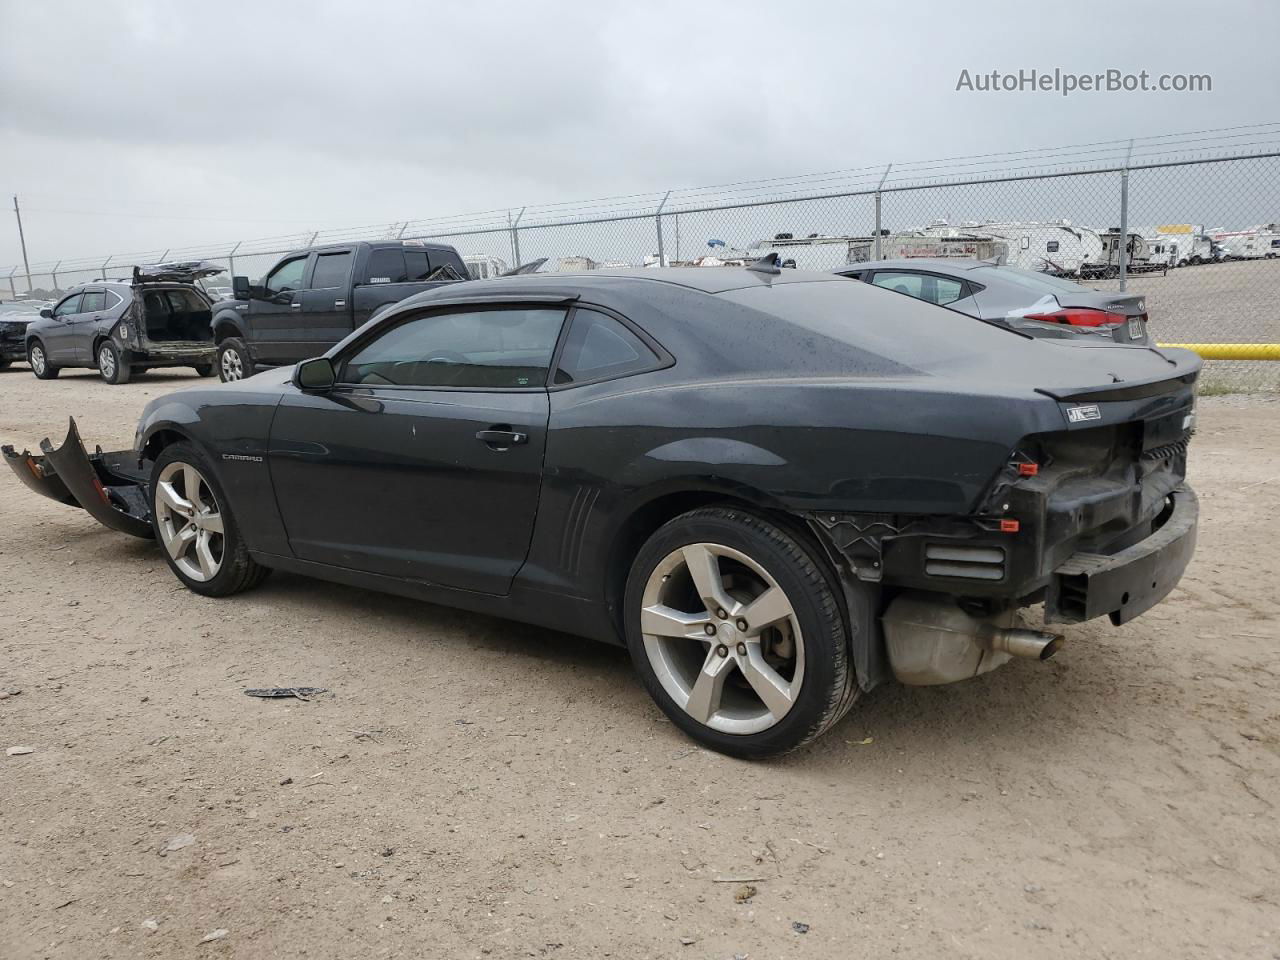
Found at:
[205, 122]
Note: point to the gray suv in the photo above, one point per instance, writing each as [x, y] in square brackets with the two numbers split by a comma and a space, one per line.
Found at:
[159, 318]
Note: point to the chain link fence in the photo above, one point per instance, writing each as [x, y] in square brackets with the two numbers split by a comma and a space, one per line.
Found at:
[1196, 235]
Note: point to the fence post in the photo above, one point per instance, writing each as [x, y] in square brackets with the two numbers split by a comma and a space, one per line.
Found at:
[879, 187]
[13, 291]
[312, 242]
[662, 252]
[104, 266]
[54, 274]
[231, 259]
[403, 228]
[515, 237]
[1124, 216]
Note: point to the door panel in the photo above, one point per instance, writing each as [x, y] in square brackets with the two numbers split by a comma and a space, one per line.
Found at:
[326, 308]
[395, 481]
[276, 313]
[59, 342]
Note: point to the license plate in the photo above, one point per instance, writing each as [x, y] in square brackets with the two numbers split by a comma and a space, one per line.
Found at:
[1135, 328]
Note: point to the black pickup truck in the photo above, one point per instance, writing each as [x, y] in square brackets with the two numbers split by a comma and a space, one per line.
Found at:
[313, 298]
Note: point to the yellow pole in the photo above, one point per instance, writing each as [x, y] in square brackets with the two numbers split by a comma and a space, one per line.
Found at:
[1231, 351]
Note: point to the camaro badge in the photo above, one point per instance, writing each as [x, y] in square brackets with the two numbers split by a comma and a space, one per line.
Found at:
[1081, 414]
[246, 459]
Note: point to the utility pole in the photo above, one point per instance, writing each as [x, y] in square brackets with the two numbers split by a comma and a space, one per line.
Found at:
[23, 242]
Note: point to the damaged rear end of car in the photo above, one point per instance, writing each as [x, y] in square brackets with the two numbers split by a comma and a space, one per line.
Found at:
[169, 321]
[1093, 519]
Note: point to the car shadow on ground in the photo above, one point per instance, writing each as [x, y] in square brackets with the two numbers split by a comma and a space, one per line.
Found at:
[1022, 709]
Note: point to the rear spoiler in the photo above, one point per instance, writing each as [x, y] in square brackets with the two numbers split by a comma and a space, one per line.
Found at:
[102, 484]
[1185, 366]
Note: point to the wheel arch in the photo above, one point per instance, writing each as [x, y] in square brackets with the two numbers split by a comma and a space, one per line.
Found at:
[163, 435]
[226, 326]
[645, 515]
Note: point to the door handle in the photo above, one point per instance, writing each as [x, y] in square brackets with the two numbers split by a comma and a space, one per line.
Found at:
[502, 437]
[295, 306]
[339, 303]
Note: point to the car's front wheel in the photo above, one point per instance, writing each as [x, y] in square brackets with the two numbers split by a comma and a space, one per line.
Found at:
[234, 361]
[39, 361]
[112, 366]
[203, 369]
[194, 526]
[735, 628]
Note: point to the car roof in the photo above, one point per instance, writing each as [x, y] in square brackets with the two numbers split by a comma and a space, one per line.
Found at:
[939, 264]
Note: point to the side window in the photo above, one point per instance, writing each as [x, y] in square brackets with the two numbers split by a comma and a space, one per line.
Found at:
[416, 265]
[386, 266]
[68, 306]
[184, 301]
[93, 301]
[856, 276]
[1051, 246]
[908, 283]
[287, 276]
[113, 300]
[600, 347]
[922, 286]
[332, 270]
[486, 349]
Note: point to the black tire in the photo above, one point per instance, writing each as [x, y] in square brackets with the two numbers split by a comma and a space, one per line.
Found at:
[112, 366]
[38, 360]
[829, 686]
[4, 364]
[239, 365]
[203, 369]
[238, 571]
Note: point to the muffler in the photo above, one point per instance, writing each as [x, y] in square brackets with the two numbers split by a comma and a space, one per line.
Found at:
[931, 640]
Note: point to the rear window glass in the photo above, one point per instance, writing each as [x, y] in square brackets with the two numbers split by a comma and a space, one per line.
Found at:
[906, 331]
[331, 270]
[598, 346]
[386, 266]
[93, 301]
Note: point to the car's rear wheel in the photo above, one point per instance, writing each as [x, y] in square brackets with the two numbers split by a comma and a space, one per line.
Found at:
[194, 526]
[234, 362]
[735, 628]
[112, 366]
[39, 361]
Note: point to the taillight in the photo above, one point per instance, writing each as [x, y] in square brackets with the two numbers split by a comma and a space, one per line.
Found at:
[1081, 317]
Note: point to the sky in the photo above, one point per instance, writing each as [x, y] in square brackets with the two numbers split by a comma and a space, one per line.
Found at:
[142, 125]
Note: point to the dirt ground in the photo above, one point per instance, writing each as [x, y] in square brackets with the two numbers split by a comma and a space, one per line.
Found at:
[475, 788]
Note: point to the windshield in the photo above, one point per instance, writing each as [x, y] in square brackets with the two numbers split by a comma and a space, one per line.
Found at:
[1027, 279]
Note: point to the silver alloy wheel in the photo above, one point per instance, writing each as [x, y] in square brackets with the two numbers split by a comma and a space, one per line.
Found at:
[189, 521]
[37, 360]
[722, 638]
[106, 362]
[232, 369]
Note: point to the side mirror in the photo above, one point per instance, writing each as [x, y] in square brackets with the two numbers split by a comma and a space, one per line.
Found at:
[240, 287]
[314, 374]
[46, 313]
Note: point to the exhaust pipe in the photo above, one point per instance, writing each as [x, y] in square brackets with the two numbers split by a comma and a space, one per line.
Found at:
[931, 640]
[1021, 642]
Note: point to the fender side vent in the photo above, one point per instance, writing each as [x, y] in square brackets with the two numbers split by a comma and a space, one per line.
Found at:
[959, 562]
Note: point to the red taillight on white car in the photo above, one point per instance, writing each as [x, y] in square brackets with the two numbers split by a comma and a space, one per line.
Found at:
[1081, 317]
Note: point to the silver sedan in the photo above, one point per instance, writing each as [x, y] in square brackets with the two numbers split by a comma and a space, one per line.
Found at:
[1034, 303]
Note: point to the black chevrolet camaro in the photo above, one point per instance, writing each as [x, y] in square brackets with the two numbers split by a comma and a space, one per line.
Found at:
[776, 488]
